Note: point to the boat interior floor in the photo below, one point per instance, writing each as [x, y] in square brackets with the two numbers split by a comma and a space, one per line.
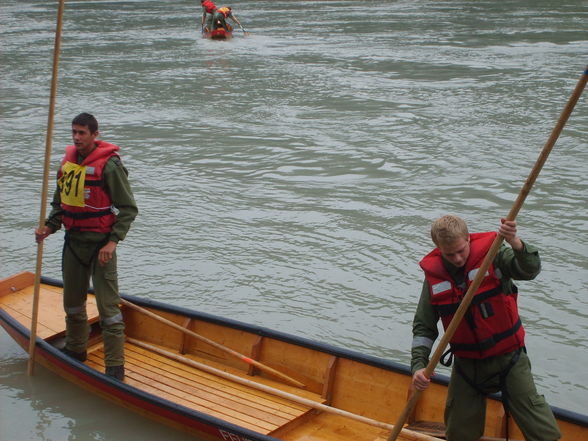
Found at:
[239, 404]
[202, 391]
[179, 382]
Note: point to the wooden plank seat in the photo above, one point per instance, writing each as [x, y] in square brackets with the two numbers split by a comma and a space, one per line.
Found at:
[201, 391]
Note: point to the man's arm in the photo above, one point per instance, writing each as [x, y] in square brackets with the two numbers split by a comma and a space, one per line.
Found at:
[53, 222]
[424, 331]
[117, 185]
[232, 16]
[203, 15]
[56, 213]
[520, 261]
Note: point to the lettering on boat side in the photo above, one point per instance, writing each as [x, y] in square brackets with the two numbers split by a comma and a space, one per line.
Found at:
[228, 436]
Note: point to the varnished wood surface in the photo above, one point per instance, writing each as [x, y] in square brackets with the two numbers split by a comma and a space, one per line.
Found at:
[203, 392]
[346, 383]
[17, 299]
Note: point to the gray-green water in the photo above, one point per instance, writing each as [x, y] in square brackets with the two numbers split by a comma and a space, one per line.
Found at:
[289, 178]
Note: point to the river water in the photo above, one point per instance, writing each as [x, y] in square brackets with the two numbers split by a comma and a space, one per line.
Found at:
[289, 178]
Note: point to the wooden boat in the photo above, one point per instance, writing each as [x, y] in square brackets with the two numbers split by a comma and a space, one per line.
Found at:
[193, 385]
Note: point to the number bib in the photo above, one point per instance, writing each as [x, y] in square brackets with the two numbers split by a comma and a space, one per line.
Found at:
[71, 184]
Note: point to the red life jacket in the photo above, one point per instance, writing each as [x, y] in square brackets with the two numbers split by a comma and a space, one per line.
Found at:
[209, 5]
[492, 325]
[96, 214]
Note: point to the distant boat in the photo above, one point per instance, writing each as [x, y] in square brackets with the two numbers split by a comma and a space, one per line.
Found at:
[218, 34]
[221, 379]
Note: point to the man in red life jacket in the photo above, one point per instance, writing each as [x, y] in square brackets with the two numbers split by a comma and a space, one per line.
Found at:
[208, 8]
[488, 345]
[92, 184]
[219, 19]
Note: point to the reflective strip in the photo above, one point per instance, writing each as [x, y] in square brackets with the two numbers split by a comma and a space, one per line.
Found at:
[100, 208]
[118, 318]
[75, 309]
[422, 341]
[472, 274]
[441, 287]
[498, 273]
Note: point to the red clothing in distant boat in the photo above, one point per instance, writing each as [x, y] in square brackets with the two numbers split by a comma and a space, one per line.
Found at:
[208, 6]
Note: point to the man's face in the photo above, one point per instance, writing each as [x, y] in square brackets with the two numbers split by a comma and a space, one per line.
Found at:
[83, 139]
[457, 252]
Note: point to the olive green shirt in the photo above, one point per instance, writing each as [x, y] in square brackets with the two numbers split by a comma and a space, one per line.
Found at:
[116, 184]
[517, 265]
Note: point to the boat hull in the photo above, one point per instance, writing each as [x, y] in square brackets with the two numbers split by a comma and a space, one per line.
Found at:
[218, 34]
[194, 423]
[346, 380]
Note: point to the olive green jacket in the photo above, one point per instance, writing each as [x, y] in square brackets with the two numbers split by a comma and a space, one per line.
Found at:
[517, 265]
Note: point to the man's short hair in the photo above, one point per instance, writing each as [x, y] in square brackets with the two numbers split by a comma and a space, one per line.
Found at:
[86, 119]
[448, 229]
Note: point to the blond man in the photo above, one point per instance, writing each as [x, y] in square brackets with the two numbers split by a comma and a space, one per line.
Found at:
[488, 348]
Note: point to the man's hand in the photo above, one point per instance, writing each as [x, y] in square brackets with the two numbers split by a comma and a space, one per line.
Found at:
[508, 230]
[420, 381]
[105, 253]
[42, 233]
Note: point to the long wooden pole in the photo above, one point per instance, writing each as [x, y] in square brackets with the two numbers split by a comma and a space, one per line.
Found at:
[465, 303]
[44, 190]
[230, 351]
[407, 434]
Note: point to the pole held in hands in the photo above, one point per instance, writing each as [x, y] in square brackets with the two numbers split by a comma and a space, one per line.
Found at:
[44, 191]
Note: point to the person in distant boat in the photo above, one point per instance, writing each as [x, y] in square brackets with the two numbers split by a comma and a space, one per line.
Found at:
[208, 8]
[94, 202]
[488, 348]
[219, 19]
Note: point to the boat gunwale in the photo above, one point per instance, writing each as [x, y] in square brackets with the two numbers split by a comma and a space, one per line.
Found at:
[563, 414]
[267, 332]
[560, 413]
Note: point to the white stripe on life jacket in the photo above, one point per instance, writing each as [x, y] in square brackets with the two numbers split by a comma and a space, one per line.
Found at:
[472, 274]
[99, 208]
[441, 287]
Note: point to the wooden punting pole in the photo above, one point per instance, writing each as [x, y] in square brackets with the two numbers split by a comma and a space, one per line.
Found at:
[44, 191]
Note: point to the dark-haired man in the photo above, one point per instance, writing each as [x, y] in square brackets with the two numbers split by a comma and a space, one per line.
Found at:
[95, 204]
